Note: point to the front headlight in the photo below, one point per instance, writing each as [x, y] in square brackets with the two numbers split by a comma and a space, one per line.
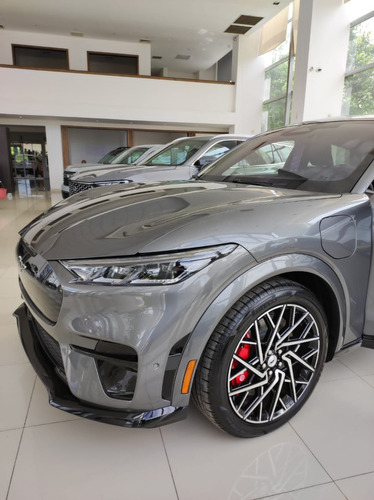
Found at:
[155, 270]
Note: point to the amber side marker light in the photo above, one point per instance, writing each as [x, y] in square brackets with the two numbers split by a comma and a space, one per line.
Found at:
[188, 376]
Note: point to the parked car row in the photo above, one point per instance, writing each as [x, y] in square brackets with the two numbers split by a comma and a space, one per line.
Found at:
[179, 160]
[232, 288]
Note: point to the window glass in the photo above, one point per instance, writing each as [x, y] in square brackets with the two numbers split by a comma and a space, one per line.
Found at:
[178, 153]
[276, 92]
[276, 81]
[273, 114]
[324, 157]
[40, 57]
[361, 45]
[109, 157]
[128, 157]
[358, 99]
[117, 64]
[217, 151]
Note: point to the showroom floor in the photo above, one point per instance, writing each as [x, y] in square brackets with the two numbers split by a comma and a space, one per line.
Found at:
[326, 452]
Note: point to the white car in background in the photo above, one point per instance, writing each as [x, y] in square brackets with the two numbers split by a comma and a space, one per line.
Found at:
[181, 159]
[118, 157]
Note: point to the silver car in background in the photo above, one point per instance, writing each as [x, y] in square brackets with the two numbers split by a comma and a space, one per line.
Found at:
[234, 288]
[179, 160]
[116, 158]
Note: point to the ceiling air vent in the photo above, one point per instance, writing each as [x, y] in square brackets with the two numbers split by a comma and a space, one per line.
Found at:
[76, 33]
[183, 57]
[156, 57]
[237, 30]
[243, 24]
[248, 20]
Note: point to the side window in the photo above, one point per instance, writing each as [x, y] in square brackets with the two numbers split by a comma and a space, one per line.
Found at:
[265, 160]
[135, 155]
[216, 152]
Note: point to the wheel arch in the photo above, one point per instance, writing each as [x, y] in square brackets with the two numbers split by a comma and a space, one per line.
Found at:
[325, 295]
[309, 271]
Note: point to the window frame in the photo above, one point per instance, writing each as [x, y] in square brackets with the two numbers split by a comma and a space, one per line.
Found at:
[15, 46]
[97, 53]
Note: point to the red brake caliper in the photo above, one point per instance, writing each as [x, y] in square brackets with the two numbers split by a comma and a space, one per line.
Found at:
[243, 352]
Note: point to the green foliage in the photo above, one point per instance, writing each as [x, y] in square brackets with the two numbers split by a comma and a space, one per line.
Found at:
[274, 114]
[358, 96]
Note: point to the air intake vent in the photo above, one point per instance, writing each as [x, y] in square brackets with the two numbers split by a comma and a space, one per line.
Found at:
[181, 56]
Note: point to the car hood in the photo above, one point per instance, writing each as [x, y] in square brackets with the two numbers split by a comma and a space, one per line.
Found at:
[130, 220]
[87, 167]
[120, 173]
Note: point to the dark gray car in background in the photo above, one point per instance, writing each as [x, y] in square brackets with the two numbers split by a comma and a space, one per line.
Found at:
[234, 288]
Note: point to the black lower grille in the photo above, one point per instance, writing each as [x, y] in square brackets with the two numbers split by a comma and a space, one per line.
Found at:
[51, 348]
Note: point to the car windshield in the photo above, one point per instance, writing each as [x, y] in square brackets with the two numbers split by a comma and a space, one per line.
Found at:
[109, 157]
[129, 156]
[320, 157]
[179, 152]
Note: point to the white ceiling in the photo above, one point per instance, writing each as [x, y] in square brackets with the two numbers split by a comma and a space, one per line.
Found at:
[173, 27]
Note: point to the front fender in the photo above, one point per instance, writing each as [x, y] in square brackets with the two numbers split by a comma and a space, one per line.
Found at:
[277, 266]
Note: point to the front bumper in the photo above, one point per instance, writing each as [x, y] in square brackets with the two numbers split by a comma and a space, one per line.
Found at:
[61, 397]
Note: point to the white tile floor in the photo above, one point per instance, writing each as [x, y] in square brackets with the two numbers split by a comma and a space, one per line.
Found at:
[326, 452]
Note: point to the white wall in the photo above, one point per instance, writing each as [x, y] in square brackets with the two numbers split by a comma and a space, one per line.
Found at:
[249, 78]
[92, 144]
[154, 137]
[322, 46]
[29, 92]
[208, 74]
[76, 46]
[55, 162]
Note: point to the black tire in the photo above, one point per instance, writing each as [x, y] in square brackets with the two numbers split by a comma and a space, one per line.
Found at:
[263, 360]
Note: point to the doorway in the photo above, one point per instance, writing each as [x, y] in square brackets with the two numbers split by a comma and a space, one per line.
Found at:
[29, 155]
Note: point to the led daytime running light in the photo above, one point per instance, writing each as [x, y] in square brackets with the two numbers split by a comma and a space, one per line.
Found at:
[157, 270]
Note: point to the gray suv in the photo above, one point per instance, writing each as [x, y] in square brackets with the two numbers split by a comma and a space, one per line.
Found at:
[233, 288]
